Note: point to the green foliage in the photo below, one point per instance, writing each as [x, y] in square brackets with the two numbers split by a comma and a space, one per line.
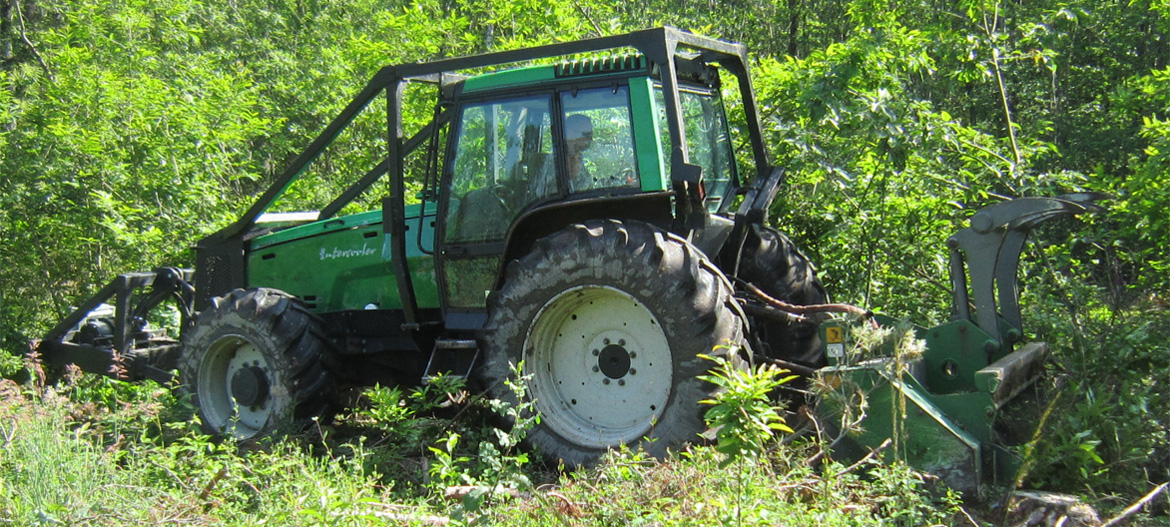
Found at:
[497, 465]
[10, 365]
[743, 416]
[407, 417]
[101, 453]
[906, 498]
[1145, 192]
[128, 130]
[61, 465]
[1108, 425]
[695, 488]
[413, 444]
[742, 413]
[865, 155]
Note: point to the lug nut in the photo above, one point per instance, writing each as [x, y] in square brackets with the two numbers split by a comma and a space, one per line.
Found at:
[621, 342]
[633, 371]
[595, 369]
[621, 382]
[605, 381]
[633, 355]
[606, 341]
[596, 352]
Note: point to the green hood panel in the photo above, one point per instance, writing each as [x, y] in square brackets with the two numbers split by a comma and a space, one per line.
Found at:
[344, 263]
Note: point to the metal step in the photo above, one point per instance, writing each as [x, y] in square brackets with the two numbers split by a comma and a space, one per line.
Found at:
[452, 358]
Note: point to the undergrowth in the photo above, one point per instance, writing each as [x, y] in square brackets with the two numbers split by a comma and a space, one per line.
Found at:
[1108, 432]
[91, 451]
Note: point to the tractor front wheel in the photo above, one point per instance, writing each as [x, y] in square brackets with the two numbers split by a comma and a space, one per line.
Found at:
[609, 319]
[253, 365]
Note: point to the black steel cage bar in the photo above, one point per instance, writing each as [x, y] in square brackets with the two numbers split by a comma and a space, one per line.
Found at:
[660, 45]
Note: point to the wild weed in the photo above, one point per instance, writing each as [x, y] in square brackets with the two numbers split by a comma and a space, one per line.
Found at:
[743, 416]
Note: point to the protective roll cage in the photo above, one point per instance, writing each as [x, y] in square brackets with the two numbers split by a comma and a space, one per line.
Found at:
[221, 256]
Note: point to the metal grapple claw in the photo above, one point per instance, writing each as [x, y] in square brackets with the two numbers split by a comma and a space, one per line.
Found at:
[985, 257]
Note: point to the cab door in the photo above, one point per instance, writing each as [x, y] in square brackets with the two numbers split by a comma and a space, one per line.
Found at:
[500, 161]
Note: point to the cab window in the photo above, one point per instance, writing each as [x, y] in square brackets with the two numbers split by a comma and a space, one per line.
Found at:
[599, 143]
[503, 162]
[708, 140]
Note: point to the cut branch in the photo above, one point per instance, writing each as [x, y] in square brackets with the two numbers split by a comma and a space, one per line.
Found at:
[872, 454]
[809, 309]
[1137, 506]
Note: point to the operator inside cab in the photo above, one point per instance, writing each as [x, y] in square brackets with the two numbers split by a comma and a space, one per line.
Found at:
[598, 139]
[578, 139]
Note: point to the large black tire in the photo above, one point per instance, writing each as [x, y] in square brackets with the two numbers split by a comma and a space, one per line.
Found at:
[609, 319]
[253, 364]
[773, 263]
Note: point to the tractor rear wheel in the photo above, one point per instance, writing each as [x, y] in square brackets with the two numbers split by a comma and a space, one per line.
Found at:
[609, 319]
[773, 263]
[253, 364]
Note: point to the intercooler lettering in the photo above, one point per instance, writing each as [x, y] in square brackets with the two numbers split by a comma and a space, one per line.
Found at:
[338, 252]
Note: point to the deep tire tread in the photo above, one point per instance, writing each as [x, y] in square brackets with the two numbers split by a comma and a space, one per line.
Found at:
[690, 297]
[774, 264]
[290, 336]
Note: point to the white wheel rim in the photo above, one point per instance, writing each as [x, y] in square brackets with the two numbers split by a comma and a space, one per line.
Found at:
[222, 362]
[600, 364]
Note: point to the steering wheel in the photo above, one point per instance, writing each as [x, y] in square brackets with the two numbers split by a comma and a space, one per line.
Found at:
[511, 192]
[503, 194]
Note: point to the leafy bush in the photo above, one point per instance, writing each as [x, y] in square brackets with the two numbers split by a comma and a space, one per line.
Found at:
[1109, 426]
[742, 413]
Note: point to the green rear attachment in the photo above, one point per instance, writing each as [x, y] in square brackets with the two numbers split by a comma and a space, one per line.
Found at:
[941, 411]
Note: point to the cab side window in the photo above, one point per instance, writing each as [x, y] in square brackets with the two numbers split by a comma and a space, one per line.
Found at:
[599, 143]
[708, 140]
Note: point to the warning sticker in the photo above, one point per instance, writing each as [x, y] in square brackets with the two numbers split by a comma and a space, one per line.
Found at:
[834, 335]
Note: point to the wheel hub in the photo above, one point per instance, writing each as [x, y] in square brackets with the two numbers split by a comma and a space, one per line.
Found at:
[249, 386]
[614, 361]
[235, 385]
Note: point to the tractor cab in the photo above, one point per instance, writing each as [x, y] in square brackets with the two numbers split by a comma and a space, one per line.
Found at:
[534, 149]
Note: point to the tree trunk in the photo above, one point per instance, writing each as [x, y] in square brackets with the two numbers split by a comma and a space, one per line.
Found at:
[793, 25]
[6, 33]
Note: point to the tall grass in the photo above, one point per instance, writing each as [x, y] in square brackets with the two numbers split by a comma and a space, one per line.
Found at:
[95, 452]
[71, 462]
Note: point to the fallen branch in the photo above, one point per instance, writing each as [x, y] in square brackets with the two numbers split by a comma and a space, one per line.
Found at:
[1137, 506]
[872, 454]
[812, 308]
[968, 516]
[206, 492]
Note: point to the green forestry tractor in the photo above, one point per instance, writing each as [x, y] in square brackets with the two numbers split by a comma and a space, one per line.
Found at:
[577, 208]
